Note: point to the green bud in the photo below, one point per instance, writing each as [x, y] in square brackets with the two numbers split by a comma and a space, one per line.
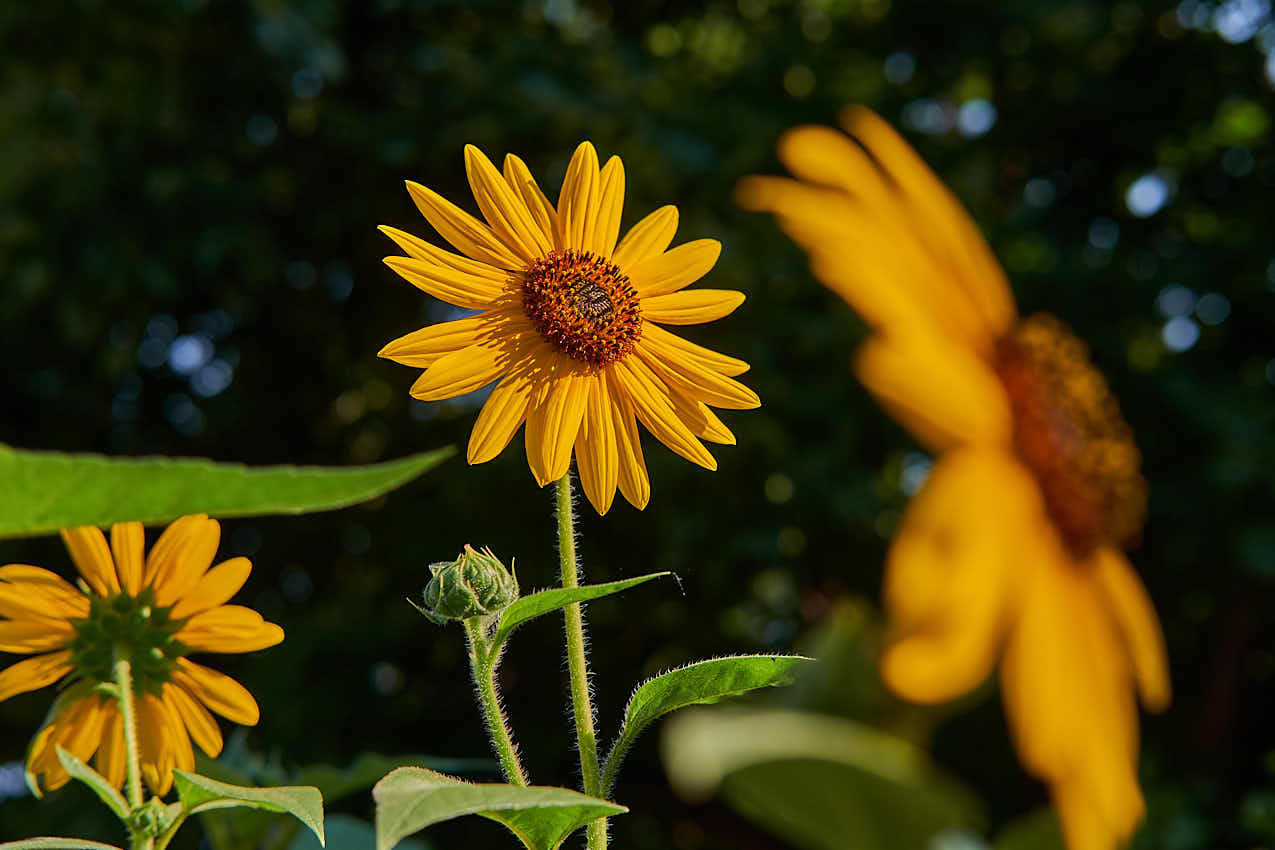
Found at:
[473, 584]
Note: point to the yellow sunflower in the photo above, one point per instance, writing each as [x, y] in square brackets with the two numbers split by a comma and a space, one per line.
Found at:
[1012, 549]
[570, 324]
[154, 611]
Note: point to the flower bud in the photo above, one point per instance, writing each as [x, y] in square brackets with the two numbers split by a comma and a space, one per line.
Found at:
[475, 583]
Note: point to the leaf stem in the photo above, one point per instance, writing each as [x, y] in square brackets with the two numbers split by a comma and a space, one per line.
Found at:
[482, 664]
[133, 783]
[577, 662]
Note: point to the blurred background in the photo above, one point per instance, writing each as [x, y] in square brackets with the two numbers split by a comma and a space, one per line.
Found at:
[189, 194]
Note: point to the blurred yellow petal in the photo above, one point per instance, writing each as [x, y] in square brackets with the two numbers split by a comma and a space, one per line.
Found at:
[1135, 616]
[941, 393]
[92, 558]
[504, 210]
[691, 307]
[650, 237]
[214, 588]
[27, 636]
[218, 692]
[519, 178]
[33, 673]
[128, 542]
[673, 270]
[578, 199]
[466, 233]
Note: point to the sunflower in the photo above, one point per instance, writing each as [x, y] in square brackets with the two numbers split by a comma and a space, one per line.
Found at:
[1012, 550]
[570, 322]
[154, 611]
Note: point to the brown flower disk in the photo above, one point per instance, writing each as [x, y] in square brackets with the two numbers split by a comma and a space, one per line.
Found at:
[584, 305]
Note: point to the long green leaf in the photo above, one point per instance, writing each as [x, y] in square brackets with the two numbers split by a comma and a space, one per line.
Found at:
[56, 844]
[199, 793]
[41, 492]
[90, 777]
[412, 798]
[347, 832]
[819, 782]
[699, 683]
[536, 604]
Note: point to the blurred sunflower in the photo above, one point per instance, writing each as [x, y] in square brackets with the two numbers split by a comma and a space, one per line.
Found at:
[1012, 549]
[152, 611]
[570, 324]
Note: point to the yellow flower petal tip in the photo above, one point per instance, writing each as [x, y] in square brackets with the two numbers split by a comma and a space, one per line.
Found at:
[159, 607]
[1009, 556]
[571, 315]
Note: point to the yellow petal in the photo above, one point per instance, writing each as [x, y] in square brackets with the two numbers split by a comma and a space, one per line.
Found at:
[940, 216]
[82, 730]
[178, 735]
[424, 347]
[501, 417]
[943, 394]
[44, 582]
[519, 178]
[112, 758]
[1135, 616]
[505, 211]
[92, 558]
[464, 371]
[604, 223]
[673, 348]
[650, 399]
[454, 287]
[218, 692]
[633, 479]
[691, 307]
[466, 233]
[157, 754]
[597, 458]
[128, 543]
[31, 674]
[687, 377]
[552, 423]
[28, 636]
[949, 581]
[445, 261]
[675, 269]
[20, 600]
[701, 421]
[650, 237]
[163, 558]
[195, 547]
[1083, 825]
[578, 198]
[201, 725]
[214, 588]
[229, 628]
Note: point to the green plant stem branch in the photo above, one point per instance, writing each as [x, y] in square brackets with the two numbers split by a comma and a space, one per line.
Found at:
[611, 765]
[133, 782]
[577, 663]
[161, 843]
[482, 664]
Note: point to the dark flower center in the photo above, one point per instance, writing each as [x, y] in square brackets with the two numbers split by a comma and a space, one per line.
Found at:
[1068, 429]
[584, 305]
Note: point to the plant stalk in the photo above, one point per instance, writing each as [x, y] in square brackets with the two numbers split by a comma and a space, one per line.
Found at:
[482, 664]
[577, 662]
[133, 782]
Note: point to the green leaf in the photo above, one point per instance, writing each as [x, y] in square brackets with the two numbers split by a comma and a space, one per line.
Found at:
[200, 794]
[336, 782]
[41, 492]
[818, 782]
[349, 833]
[90, 777]
[532, 606]
[56, 844]
[412, 798]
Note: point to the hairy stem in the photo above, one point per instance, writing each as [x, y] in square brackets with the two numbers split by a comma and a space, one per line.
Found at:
[133, 783]
[482, 664]
[577, 663]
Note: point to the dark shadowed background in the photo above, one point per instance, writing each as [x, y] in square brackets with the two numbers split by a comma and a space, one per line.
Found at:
[189, 264]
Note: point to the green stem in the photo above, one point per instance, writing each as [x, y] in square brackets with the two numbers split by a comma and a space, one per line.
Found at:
[577, 663]
[483, 666]
[133, 783]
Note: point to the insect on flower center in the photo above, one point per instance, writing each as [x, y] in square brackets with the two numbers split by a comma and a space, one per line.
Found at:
[137, 627]
[1068, 429]
[584, 305]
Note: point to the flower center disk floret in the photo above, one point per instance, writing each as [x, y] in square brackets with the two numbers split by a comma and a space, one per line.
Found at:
[584, 305]
[1068, 429]
[135, 626]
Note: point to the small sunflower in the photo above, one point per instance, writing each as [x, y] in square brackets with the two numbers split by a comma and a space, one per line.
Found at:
[570, 324]
[155, 610]
[1012, 549]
